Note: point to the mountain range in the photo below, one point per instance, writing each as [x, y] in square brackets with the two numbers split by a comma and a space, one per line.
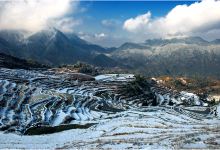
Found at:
[176, 56]
[184, 56]
[51, 47]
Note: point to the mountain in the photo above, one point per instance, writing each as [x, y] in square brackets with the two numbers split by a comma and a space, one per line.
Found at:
[13, 36]
[49, 46]
[53, 47]
[75, 40]
[104, 61]
[216, 41]
[132, 46]
[7, 61]
[186, 40]
[178, 56]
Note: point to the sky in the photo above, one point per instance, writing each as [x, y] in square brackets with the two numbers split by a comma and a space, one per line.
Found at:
[111, 23]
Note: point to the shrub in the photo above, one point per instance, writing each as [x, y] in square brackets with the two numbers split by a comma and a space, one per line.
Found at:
[139, 86]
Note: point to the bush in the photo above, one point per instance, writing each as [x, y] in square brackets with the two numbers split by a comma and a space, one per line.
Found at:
[139, 86]
[87, 69]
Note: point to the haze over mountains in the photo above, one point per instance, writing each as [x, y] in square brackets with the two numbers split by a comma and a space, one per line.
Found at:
[176, 56]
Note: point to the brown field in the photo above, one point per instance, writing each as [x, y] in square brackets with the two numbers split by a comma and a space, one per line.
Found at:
[195, 84]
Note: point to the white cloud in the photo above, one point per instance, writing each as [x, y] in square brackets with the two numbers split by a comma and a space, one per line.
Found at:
[32, 15]
[111, 23]
[66, 24]
[93, 37]
[197, 18]
[136, 24]
[102, 39]
[100, 35]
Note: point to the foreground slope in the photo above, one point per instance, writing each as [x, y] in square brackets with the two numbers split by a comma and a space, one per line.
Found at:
[101, 112]
[145, 128]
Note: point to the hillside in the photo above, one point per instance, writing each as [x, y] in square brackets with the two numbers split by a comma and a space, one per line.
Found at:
[7, 61]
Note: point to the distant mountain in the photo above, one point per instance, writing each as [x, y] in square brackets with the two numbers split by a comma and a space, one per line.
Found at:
[186, 40]
[75, 40]
[132, 46]
[49, 46]
[13, 36]
[177, 56]
[104, 61]
[53, 47]
[217, 41]
[7, 61]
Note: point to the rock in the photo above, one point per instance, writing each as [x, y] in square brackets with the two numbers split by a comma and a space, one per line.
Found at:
[182, 81]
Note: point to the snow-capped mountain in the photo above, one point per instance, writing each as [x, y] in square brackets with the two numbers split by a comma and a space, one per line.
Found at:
[49, 46]
[177, 56]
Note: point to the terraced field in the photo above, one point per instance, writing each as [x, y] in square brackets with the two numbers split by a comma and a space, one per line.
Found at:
[99, 115]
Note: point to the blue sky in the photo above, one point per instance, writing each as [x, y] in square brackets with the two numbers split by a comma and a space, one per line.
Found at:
[126, 9]
[122, 10]
[92, 13]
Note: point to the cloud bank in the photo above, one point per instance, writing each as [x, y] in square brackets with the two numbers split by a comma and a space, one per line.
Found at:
[196, 19]
[33, 15]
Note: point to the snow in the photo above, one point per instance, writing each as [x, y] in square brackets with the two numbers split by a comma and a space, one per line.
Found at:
[190, 96]
[6, 83]
[136, 127]
[218, 110]
[115, 77]
[146, 128]
[59, 118]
